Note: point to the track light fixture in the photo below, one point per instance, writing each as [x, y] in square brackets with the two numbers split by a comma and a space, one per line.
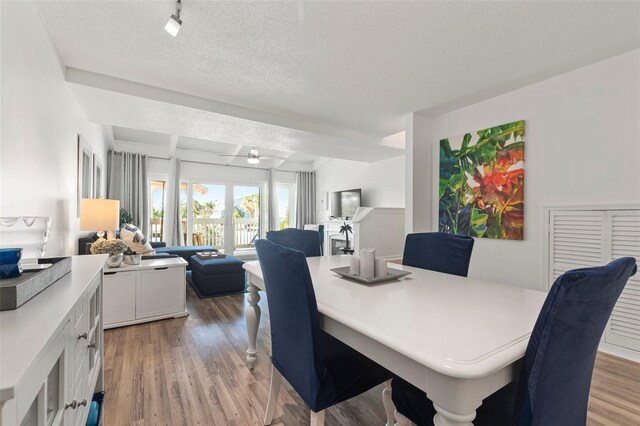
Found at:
[173, 24]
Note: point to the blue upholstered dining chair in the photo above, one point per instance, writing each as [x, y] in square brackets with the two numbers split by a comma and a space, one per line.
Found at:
[323, 370]
[306, 241]
[554, 384]
[438, 251]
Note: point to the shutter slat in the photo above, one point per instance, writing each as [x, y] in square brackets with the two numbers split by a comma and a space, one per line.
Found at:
[593, 238]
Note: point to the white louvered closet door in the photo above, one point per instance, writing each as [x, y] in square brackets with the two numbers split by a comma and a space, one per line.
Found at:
[576, 240]
[584, 238]
[624, 325]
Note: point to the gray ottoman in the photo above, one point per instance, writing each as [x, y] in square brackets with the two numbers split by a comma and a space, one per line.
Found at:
[215, 277]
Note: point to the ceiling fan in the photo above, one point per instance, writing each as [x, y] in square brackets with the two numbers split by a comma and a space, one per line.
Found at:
[253, 157]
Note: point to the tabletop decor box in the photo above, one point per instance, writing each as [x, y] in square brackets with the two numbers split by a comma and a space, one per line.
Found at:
[15, 292]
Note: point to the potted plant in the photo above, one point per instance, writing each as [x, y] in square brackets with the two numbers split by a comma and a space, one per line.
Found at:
[114, 248]
[345, 230]
[131, 257]
[125, 217]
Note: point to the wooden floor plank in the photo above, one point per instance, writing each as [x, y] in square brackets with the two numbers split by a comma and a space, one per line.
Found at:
[191, 371]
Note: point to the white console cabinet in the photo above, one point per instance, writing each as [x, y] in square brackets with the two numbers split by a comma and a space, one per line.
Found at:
[51, 351]
[153, 290]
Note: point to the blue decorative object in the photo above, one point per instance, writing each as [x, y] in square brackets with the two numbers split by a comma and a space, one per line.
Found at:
[553, 388]
[323, 370]
[94, 411]
[306, 241]
[9, 258]
[438, 251]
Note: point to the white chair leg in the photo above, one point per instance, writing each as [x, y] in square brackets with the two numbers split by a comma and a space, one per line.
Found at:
[274, 390]
[402, 420]
[387, 402]
[317, 419]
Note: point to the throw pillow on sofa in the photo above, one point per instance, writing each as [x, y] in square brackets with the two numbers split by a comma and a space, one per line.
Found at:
[136, 240]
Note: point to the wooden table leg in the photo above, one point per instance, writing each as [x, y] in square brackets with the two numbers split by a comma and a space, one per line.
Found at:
[252, 316]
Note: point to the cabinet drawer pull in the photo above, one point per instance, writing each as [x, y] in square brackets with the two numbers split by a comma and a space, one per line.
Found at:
[83, 335]
[91, 345]
[110, 273]
[73, 404]
[84, 402]
[161, 268]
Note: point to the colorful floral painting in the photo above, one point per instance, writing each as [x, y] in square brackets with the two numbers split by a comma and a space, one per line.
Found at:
[482, 183]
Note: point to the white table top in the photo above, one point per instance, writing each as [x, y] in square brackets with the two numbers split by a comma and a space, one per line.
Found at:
[25, 331]
[458, 326]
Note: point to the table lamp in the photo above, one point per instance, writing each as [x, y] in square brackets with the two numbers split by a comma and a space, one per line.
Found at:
[98, 214]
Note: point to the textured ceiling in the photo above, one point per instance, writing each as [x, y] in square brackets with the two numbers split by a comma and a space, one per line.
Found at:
[356, 65]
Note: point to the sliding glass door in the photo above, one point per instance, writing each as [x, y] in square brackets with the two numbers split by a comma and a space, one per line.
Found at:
[207, 214]
[223, 215]
[246, 216]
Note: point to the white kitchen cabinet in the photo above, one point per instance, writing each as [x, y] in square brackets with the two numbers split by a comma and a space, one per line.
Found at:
[52, 348]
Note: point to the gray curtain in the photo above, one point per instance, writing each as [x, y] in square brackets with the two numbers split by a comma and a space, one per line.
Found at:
[306, 198]
[127, 182]
[272, 201]
[173, 233]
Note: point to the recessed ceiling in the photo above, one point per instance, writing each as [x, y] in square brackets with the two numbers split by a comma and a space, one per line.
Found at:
[160, 145]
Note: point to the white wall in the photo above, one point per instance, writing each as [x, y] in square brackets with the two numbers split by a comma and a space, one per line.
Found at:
[382, 182]
[582, 146]
[40, 123]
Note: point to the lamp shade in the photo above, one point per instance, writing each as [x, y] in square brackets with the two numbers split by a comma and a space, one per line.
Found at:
[97, 214]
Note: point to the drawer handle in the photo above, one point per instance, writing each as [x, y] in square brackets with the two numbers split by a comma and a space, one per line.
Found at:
[110, 273]
[160, 268]
[84, 402]
[91, 345]
[83, 335]
[73, 404]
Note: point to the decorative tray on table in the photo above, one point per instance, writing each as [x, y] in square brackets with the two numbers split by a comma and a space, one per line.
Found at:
[14, 292]
[392, 274]
[210, 255]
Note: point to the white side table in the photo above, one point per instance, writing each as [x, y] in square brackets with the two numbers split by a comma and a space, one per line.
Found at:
[153, 290]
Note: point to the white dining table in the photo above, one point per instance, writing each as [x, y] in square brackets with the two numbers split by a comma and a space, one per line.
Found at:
[458, 339]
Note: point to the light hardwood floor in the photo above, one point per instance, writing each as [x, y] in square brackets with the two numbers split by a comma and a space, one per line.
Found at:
[191, 371]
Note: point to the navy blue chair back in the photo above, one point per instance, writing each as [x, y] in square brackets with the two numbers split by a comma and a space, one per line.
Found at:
[295, 324]
[556, 377]
[306, 241]
[438, 251]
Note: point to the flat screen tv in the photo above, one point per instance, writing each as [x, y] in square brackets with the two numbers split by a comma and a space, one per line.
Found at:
[345, 203]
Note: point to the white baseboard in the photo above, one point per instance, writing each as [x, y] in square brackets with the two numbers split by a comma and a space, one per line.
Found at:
[619, 351]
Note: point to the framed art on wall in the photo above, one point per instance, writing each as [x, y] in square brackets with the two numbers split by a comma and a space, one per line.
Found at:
[85, 190]
[97, 177]
[481, 183]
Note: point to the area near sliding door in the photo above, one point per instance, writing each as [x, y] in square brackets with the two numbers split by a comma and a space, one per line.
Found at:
[225, 215]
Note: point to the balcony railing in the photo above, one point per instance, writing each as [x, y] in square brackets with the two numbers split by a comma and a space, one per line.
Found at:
[156, 230]
[210, 232]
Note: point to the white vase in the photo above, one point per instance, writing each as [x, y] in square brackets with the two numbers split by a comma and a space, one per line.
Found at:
[114, 260]
[132, 259]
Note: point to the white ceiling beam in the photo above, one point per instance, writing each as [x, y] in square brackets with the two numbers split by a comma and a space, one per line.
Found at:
[278, 162]
[235, 153]
[107, 134]
[118, 85]
[173, 144]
